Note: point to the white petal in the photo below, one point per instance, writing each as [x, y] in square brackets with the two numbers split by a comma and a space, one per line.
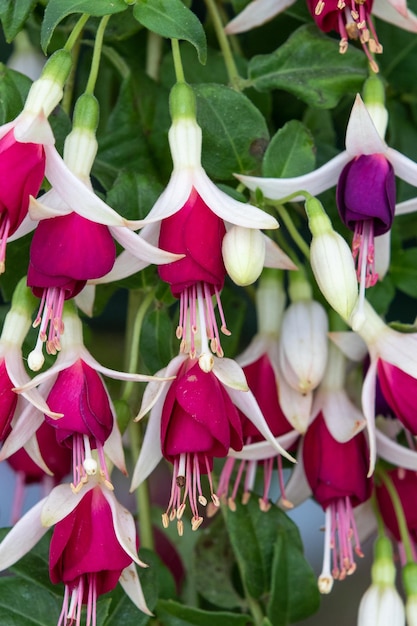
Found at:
[314, 183]
[245, 402]
[404, 167]
[264, 449]
[150, 453]
[91, 361]
[155, 391]
[295, 406]
[368, 407]
[33, 450]
[385, 11]
[275, 257]
[394, 453]
[124, 526]
[27, 226]
[125, 265]
[62, 501]
[229, 209]
[361, 135]
[30, 128]
[113, 449]
[255, 350]
[382, 254]
[140, 248]
[25, 426]
[76, 194]
[297, 489]
[409, 206]
[255, 14]
[85, 299]
[343, 419]
[130, 582]
[399, 349]
[48, 206]
[173, 198]
[22, 537]
[228, 372]
[350, 344]
[4, 128]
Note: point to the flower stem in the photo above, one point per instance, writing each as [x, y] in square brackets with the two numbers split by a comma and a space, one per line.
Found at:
[234, 78]
[95, 63]
[76, 31]
[176, 55]
[399, 513]
[143, 499]
[137, 310]
[289, 224]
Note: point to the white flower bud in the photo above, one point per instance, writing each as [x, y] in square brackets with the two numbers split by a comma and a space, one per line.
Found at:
[303, 346]
[243, 254]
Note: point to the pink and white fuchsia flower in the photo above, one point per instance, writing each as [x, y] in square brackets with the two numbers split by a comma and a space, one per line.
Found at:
[191, 217]
[93, 547]
[193, 420]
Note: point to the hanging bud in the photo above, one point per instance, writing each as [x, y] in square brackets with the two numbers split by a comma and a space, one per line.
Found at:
[243, 252]
[331, 261]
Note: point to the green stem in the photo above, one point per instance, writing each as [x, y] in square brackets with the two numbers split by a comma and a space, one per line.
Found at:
[289, 225]
[76, 31]
[232, 71]
[95, 62]
[399, 513]
[176, 55]
[70, 84]
[137, 308]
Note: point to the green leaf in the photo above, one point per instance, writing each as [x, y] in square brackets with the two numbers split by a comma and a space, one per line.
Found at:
[172, 613]
[56, 10]
[172, 19]
[214, 567]
[294, 593]
[156, 340]
[403, 271]
[290, 153]
[13, 15]
[12, 84]
[310, 67]
[229, 146]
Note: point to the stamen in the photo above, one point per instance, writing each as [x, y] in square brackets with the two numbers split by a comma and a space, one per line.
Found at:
[4, 233]
[325, 581]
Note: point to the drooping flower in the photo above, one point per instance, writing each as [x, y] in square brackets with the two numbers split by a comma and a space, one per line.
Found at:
[73, 240]
[337, 475]
[23, 148]
[405, 483]
[93, 547]
[193, 420]
[352, 20]
[192, 217]
[88, 421]
[366, 207]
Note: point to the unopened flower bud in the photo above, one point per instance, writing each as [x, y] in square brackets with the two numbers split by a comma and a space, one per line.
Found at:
[81, 144]
[47, 91]
[332, 262]
[243, 252]
[410, 586]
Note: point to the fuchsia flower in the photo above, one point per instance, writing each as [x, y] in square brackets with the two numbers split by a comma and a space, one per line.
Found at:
[364, 173]
[193, 420]
[336, 473]
[351, 20]
[94, 545]
[405, 483]
[191, 217]
[88, 420]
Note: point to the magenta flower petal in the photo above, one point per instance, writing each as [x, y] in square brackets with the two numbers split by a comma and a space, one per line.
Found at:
[399, 389]
[22, 167]
[405, 483]
[198, 233]
[335, 470]
[69, 250]
[85, 542]
[366, 191]
[80, 393]
[8, 400]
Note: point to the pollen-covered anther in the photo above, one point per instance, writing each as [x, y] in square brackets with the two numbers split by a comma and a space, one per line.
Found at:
[215, 499]
[343, 46]
[319, 7]
[77, 488]
[286, 503]
[231, 504]
[172, 515]
[202, 500]
[179, 332]
[375, 46]
[180, 510]
[180, 527]
[355, 16]
[341, 5]
[165, 520]
[196, 523]
[264, 506]
[246, 497]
